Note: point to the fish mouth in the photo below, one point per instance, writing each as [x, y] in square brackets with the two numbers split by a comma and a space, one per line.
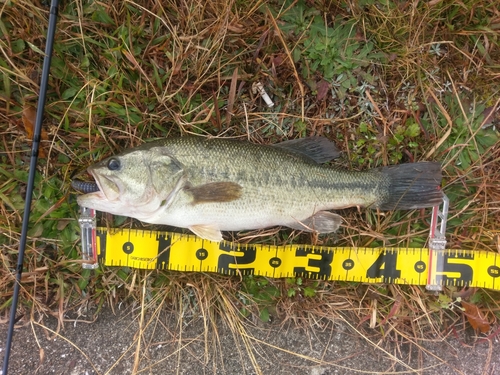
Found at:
[107, 187]
[102, 188]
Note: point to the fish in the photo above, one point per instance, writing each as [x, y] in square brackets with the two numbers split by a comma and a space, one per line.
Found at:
[210, 185]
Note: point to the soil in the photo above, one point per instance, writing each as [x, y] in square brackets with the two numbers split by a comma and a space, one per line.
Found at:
[173, 344]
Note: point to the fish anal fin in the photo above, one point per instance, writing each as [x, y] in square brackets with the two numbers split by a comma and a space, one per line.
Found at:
[207, 232]
[321, 222]
[214, 192]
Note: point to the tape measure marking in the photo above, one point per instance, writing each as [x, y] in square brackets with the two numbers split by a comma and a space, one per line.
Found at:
[182, 252]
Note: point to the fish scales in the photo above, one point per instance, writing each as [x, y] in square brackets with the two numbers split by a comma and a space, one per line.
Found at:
[272, 178]
[209, 185]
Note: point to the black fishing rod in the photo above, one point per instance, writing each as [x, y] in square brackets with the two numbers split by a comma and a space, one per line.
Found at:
[31, 177]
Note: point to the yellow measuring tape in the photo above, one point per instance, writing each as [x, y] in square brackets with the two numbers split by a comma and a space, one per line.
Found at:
[146, 249]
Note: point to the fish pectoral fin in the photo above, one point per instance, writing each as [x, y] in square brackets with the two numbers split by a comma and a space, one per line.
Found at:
[321, 222]
[316, 148]
[207, 232]
[214, 192]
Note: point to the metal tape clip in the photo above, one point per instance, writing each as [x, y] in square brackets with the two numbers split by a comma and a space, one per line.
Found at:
[437, 243]
[88, 232]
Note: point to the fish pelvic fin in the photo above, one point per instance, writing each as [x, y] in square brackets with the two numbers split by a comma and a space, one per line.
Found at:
[207, 232]
[411, 186]
[321, 222]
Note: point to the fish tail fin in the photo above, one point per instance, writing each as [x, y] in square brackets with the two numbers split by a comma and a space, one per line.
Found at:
[411, 186]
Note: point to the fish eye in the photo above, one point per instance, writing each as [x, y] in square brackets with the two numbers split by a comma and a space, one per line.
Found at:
[114, 164]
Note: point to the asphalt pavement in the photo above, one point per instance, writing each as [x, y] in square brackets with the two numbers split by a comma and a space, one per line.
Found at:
[114, 343]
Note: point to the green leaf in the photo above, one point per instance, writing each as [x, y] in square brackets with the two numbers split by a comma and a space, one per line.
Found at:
[85, 63]
[464, 159]
[123, 272]
[300, 127]
[62, 158]
[36, 230]
[296, 55]
[413, 130]
[444, 301]
[487, 139]
[245, 312]
[69, 93]
[101, 16]
[7, 87]
[112, 71]
[134, 118]
[363, 127]
[309, 292]
[264, 315]
[18, 46]
[346, 84]
[3, 29]
[118, 220]
[59, 68]
[36, 49]
[83, 281]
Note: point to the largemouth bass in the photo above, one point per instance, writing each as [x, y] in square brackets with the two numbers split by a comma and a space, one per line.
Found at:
[213, 185]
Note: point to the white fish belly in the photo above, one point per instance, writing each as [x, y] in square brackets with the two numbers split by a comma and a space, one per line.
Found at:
[254, 210]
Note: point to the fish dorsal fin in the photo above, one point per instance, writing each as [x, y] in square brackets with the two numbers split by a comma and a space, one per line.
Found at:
[214, 192]
[318, 149]
[207, 232]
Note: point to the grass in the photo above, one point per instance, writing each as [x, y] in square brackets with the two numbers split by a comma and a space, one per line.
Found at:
[389, 82]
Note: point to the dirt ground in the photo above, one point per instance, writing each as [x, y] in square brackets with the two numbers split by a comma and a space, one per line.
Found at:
[173, 344]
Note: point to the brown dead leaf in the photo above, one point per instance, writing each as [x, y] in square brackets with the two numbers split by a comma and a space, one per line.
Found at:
[232, 97]
[130, 58]
[475, 318]
[29, 119]
[42, 355]
[489, 116]
[278, 59]
[217, 111]
[464, 293]
[236, 28]
[434, 2]
[63, 223]
[323, 87]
